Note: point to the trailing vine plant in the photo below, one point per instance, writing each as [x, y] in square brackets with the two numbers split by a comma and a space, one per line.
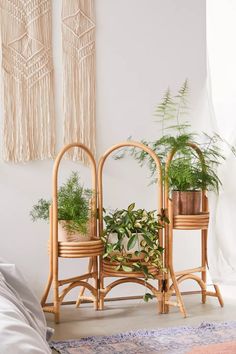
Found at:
[133, 233]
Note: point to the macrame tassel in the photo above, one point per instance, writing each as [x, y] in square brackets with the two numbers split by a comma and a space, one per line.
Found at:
[29, 122]
[78, 39]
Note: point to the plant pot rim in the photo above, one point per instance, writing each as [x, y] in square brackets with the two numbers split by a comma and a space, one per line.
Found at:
[188, 190]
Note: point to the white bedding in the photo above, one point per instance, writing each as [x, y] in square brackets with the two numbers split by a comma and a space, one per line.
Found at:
[23, 327]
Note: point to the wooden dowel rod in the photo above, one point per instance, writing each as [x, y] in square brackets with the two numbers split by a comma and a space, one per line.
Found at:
[122, 298]
[172, 303]
[211, 293]
[86, 298]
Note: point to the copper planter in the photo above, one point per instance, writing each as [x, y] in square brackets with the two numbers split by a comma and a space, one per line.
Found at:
[187, 202]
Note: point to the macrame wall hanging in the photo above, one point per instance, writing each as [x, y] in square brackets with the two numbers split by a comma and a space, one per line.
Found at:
[78, 40]
[28, 130]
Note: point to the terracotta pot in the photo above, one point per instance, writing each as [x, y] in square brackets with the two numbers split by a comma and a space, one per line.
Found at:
[113, 239]
[187, 202]
[65, 236]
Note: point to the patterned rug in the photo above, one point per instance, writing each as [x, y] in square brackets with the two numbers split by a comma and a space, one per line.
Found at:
[213, 337]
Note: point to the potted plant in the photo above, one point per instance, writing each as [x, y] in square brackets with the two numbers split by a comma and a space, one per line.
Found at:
[131, 239]
[74, 214]
[187, 175]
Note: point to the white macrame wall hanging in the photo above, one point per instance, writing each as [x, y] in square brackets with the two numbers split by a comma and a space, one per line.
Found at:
[29, 126]
[78, 40]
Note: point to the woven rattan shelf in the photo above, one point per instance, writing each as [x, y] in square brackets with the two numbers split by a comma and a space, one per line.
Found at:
[109, 269]
[191, 222]
[80, 249]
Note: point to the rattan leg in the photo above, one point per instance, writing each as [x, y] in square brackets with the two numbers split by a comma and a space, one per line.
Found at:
[56, 302]
[169, 247]
[46, 291]
[217, 290]
[178, 293]
[96, 282]
[57, 316]
[101, 294]
[50, 275]
[165, 289]
[203, 273]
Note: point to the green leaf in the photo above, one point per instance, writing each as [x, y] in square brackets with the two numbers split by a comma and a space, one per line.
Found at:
[150, 276]
[113, 258]
[131, 207]
[120, 258]
[147, 239]
[121, 230]
[107, 218]
[137, 253]
[137, 265]
[132, 242]
[109, 247]
[145, 270]
[165, 219]
[126, 268]
[148, 297]
[143, 243]
[128, 232]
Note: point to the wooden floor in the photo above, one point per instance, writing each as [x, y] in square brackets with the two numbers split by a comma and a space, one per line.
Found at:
[131, 315]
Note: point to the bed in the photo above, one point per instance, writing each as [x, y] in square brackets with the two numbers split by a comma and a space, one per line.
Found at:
[23, 327]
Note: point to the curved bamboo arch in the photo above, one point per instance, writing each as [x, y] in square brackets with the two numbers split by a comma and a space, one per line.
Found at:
[55, 185]
[190, 277]
[100, 170]
[129, 280]
[104, 291]
[74, 285]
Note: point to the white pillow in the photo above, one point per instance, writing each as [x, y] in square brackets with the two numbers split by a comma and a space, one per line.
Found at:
[22, 323]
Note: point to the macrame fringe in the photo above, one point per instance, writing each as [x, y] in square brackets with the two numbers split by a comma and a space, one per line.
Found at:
[78, 33]
[29, 133]
[29, 121]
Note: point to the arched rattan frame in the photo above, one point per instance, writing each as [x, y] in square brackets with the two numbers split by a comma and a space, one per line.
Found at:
[186, 222]
[106, 268]
[90, 249]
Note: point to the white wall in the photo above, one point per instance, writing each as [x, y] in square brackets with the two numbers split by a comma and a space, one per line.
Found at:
[142, 48]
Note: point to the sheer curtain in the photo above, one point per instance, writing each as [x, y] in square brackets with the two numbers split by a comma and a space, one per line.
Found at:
[221, 45]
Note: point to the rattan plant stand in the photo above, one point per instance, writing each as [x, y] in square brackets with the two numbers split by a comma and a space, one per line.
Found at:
[89, 249]
[108, 268]
[186, 222]
[167, 283]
